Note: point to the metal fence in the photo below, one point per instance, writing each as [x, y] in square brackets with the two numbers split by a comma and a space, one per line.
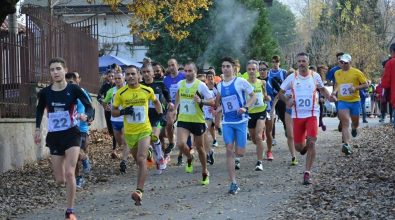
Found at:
[24, 59]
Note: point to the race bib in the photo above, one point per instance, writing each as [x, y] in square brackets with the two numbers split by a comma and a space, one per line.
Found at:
[207, 112]
[173, 91]
[230, 103]
[138, 116]
[259, 100]
[345, 89]
[304, 101]
[187, 106]
[151, 104]
[59, 121]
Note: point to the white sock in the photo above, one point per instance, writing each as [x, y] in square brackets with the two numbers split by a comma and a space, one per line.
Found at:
[158, 150]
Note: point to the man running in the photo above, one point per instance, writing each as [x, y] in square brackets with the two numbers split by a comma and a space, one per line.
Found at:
[348, 82]
[171, 82]
[305, 109]
[257, 112]
[231, 99]
[117, 122]
[161, 94]
[189, 99]
[134, 99]
[63, 138]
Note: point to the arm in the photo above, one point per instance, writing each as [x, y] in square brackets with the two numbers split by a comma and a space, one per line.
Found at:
[248, 104]
[39, 116]
[177, 103]
[158, 107]
[166, 95]
[108, 97]
[386, 79]
[266, 97]
[86, 102]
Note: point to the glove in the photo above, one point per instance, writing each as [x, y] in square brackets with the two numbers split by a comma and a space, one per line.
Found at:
[127, 111]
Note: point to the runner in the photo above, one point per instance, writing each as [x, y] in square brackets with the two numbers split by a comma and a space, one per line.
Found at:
[257, 112]
[117, 122]
[159, 72]
[231, 99]
[63, 138]
[134, 99]
[171, 82]
[74, 78]
[305, 109]
[161, 94]
[348, 81]
[189, 99]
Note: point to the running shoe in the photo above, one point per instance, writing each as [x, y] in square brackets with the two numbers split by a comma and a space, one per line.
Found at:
[162, 164]
[307, 178]
[205, 179]
[215, 143]
[86, 166]
[189, 166]
[179, 161]
[137, 196]
[354, 132]
[219, 131]
[210, 157]
[274, 142]
[294, 162]
[381, 120]
[365, 121]
[169, 148]
[234, 188]
[259, 166]
[70, 216]
[346, 149]
[237, 164]
[269, 155]
[122, 167]
[79, 181]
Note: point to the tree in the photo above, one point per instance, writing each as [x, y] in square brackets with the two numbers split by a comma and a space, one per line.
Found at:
[152, 17]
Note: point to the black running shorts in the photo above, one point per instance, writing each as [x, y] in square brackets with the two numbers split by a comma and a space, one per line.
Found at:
[58, 142]
[195, 128]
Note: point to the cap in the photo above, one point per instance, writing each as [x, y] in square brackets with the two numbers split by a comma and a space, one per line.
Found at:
[345, 58]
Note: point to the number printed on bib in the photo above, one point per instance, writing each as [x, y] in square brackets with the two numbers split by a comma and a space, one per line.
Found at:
[173, 91]
[345, 89]
[259, 99]
[59, 121]
[304, 102]
[230, 103]
[187, 107]
[138, 116]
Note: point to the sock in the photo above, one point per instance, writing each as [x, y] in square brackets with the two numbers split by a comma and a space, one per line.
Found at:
[114, 142]
[70, 210]
[140, 190]
[158, 150]
[237, 159]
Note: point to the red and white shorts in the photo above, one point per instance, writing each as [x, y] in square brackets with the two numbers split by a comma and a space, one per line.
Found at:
[305, 126]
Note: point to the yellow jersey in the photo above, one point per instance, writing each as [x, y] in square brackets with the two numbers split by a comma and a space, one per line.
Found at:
[347, 79]
[138, 98]
[245, 75]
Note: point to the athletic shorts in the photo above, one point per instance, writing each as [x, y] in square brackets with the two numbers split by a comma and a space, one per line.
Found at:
[195, 128]
[154, 118]
[60, 141]
[254, 117]
[132, 140]
[235, 133]
[305, 126]
[84, 140]
[353, 107]
[117, 125]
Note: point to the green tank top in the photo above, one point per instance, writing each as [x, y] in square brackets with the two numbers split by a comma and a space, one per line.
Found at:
[189, 111]
[259, 105]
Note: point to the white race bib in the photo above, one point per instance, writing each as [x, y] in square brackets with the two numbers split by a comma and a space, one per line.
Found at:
[151, 104]
[173, 91]
[59, 121]
[259, 99]
[138, 116]
[345, 89]
[230, 103]
[304, 101]
[187, 106]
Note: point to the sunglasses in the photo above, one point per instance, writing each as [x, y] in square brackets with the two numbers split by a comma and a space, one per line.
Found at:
[342, 62]
[262, 69]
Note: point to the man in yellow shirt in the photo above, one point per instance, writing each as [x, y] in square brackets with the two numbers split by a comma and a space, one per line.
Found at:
[349, 81]
[134, 99]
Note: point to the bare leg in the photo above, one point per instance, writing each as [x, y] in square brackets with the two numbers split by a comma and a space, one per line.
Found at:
[198, 140]
[142, 150]
[290, 134]
[71, 158]
[344, 116]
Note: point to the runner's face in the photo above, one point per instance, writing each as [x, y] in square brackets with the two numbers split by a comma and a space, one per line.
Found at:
[172, 66]
[148, 73]
[132, 76]
[119, 79]
[110, 77]
[227, 69]
[158, 72]
[58, 72]
[251, 69]
[303, 63]
[263, 71]
[190, 73]
[275, 64]
[210, 78]
[345, 65]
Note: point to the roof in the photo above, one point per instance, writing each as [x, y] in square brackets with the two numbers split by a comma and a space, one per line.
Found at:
[65, 3]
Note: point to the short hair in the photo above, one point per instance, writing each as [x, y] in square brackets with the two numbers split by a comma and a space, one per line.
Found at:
[312, 67]
[276, 58]
[303, 54]
[109, 71]
[71, 75]
[210, 72]
[253, 62]
[132, 67]
[392, 47]
[158, 64]
[173, 59]
[211, 68]
[57, 60]
[339, 54]
[193, 66]
[264, 63]
[229, 59]
[146, 66]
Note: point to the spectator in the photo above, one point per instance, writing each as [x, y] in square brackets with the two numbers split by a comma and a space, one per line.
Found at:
[388, 79]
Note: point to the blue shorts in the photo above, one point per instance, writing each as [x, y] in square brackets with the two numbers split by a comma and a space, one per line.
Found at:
[117, 125]
[235, 132]
[353, 107]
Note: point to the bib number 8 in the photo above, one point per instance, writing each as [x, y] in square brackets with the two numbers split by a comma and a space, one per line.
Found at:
[229, 105]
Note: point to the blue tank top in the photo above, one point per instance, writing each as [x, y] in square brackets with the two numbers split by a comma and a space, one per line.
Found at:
[171, 84]
[231, 102]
